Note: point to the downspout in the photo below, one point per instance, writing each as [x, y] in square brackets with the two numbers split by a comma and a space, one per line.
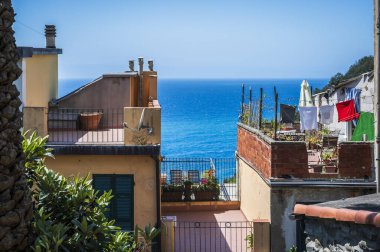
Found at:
[377, 90]
[158, 199]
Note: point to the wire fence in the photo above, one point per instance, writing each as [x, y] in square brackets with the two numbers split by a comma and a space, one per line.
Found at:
[218, 175]
[85, 126]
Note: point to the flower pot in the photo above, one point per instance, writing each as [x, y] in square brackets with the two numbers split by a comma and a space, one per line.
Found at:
[171, 196]
[330, 168]
[90, 121]
[204, 195]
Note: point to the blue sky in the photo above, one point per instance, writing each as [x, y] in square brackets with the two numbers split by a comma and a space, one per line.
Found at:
[202, 39]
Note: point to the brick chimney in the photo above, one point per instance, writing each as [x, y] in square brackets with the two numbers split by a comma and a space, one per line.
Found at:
[50, 34]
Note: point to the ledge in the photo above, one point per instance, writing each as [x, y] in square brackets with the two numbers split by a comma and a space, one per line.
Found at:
[27, 52]
[199, 206]
[129, 150]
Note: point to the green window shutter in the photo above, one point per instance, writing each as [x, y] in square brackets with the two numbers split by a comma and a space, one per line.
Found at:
[124, 201]
[103, 183]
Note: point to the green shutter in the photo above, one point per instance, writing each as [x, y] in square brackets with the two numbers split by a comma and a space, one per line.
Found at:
[103, 183]
[121, 207]
[124, 201]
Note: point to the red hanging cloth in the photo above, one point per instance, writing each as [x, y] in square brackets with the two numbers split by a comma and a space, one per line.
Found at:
[346, 111]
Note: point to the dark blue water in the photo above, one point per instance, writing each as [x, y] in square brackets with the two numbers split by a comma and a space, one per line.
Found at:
[199, 116]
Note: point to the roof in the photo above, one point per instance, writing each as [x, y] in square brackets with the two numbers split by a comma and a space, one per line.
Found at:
[109, 75]
[353, 79]
[361, 210]
[27, 52]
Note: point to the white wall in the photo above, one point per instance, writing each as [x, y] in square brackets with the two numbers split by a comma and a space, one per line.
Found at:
[366, 104]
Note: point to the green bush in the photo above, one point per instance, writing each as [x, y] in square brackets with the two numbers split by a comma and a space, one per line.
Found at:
[69, 214]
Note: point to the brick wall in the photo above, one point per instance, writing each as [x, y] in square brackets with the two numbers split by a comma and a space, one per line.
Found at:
[275, 159]
[255, 149]
[289, 158]
[355, 159]
[272, 158]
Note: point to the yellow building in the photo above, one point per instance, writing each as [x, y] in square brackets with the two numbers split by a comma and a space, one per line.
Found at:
[109, 128]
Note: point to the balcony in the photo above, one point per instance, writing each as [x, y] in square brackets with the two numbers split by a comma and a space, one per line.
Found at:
[189, 180]
[118, 126]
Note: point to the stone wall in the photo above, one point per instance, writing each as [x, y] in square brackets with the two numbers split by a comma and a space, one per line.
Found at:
[355, 159]
[282, 204]
[329, 231]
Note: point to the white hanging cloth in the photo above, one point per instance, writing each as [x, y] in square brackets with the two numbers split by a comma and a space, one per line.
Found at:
[308, 116]
[327, 114]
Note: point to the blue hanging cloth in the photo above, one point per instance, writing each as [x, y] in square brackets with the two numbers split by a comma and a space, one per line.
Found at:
[353, 94]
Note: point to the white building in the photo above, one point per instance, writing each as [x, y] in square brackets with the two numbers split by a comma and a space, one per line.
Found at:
[364, 82]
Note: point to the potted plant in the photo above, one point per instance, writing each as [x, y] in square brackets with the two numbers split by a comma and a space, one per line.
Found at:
[172, 193]
[188, 190]
[208, 190]
[328, 160]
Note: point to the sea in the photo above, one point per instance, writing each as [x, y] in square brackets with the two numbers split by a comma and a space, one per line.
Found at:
[199, 116]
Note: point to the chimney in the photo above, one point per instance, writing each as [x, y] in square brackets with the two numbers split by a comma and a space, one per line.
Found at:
[50, 34]
[132, 65]
[150, 65]
[141, 65]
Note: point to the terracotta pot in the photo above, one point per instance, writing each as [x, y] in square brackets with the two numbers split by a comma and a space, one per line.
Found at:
[90, 121]
[171, 196]
[204, 195]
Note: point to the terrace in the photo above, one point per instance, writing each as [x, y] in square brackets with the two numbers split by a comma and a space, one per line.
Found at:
[120, 126]
[185, 181]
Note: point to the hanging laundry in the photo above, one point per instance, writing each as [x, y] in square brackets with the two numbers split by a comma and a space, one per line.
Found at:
[346, 111]
[287, 113]
[327, 113]
[308, 118]
[353, 94]
[366, 125]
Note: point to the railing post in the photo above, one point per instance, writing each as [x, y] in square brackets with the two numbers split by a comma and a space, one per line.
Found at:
[261, 108]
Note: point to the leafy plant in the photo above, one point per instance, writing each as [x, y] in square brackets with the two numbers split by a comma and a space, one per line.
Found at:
[148, 234]
[292, 249]
[70, 214]
[173, 188]
[249, 239]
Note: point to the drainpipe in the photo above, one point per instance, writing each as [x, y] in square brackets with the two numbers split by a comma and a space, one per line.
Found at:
[158, 198]
[377, 91]
[141, 69]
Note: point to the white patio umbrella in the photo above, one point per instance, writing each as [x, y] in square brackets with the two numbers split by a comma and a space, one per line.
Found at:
[305, 95]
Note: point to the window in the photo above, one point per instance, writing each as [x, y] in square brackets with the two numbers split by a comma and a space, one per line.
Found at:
[121, 207]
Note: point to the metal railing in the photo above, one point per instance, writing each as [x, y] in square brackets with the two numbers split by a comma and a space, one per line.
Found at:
[209, 236]
[199, 171]
[85, 126]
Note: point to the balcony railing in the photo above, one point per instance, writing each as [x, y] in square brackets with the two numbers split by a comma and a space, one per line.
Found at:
[86, 126]
[210, 179]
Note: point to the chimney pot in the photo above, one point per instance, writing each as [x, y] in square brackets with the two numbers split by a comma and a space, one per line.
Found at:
[132, 65]
[50, 34]
[150, 65]
[141, 65]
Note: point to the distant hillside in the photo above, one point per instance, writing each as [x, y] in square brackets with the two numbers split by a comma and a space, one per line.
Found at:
[361, 66]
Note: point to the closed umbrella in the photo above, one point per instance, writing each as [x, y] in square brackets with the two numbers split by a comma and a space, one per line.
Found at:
[305, 95]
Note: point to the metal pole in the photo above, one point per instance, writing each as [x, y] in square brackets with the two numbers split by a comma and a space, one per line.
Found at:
[377, 90]
[261, 108]
[250, 107]
[275, 113]
[242, 99]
